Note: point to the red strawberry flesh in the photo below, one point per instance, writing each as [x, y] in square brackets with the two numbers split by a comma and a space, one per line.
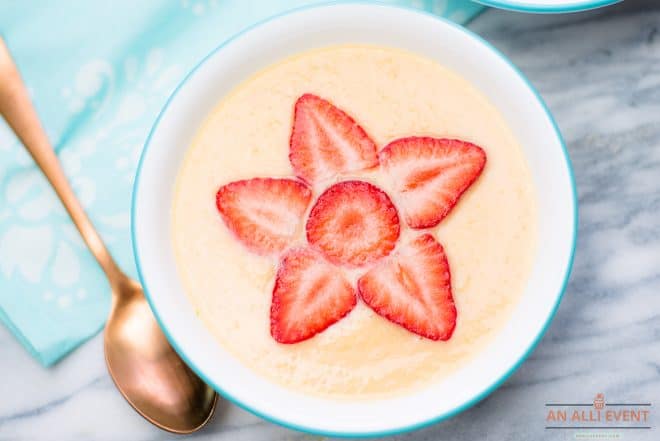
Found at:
[325, 141]
[430, 175]
[353, 223]
[309, 295]
[412, 288]
[263, 213]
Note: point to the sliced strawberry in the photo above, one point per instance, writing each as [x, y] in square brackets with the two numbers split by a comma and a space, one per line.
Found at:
[325, 141]
[353, 223]
[430, 175]
[310, 294]
[263, 213]
[412, 288]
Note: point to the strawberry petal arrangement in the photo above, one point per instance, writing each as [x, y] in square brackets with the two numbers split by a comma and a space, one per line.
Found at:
[353, 226]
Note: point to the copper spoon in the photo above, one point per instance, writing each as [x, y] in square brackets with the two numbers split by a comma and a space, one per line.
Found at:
[143, 365]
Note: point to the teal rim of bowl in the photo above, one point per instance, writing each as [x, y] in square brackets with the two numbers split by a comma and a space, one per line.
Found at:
[311, 430]
[584, 5]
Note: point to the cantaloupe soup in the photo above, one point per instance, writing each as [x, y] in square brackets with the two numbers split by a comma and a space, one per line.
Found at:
[375, 344]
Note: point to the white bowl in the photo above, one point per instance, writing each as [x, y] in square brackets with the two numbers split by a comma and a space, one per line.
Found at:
[301, 30]
[548, 6]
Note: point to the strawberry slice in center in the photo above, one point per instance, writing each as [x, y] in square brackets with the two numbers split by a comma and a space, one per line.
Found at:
[310, 294]
[353, 223]
[412, 288]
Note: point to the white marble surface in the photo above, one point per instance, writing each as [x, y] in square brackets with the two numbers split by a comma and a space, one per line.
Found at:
[600, 75]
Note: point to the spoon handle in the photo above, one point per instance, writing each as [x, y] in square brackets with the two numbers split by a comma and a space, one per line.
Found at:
[17, 110]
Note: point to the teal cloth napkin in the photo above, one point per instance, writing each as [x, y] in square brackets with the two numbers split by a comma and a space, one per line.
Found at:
[98, 72]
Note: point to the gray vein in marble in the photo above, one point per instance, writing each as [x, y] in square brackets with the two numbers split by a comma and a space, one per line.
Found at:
[47, 407]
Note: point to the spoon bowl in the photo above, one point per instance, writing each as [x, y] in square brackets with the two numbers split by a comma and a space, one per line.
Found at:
[147, 371]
